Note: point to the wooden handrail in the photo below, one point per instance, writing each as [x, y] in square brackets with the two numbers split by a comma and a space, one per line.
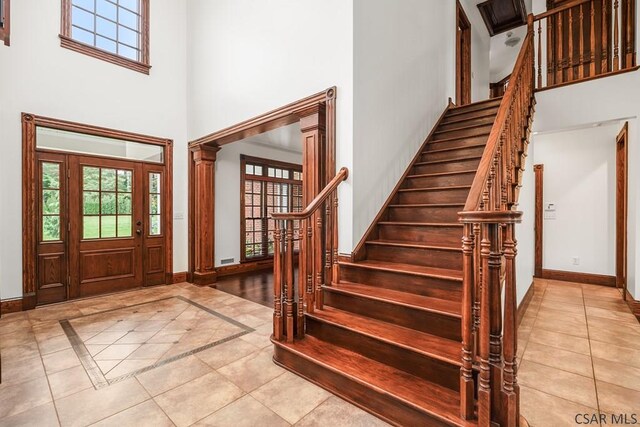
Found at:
[477, 187]
[559, 9]
[342, 175]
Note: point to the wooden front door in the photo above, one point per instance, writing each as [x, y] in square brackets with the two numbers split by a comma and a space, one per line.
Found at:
[101, 226]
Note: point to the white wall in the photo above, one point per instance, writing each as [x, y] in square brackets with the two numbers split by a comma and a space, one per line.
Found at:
[525, 236]
[480, 52]
[228, 188]
[579, 178]
[40, 77]
[595, 101]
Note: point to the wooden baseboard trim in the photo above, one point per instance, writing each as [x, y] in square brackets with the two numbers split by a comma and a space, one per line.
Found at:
[346, 257]
[179, 277]
[633, 304]
[10, 306]
[588, 278]
[204, 278]
[524, 304]
[245, 267]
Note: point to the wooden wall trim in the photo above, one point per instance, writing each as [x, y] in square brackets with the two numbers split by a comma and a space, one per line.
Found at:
[524, 304]
[621, 203]
[179, 277]
[633, 304]
[538, 171]
[10, 306]
[571, 276]
[5, 30]
[245, 267]
[359, 252]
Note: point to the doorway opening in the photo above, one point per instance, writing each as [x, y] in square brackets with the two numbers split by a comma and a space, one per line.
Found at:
[622, 173]
[463, 57]
[97, 211]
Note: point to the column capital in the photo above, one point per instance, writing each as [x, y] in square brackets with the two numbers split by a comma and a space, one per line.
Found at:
[203, 153]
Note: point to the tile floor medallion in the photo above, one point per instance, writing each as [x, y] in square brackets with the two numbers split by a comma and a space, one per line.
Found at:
[116, 344]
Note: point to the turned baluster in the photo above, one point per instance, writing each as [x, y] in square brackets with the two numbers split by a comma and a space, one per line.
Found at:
[551, 71]
[616, 58]
[484, 378]
[466, 371]
[318, 263]
[301, 294]
[630, 25]
[328, 240]
[277, 282]
[289, 280]
[540, 54]
[560, 58]
[604, 50]
[334, 249]
[308, 264]
[592, 38]
[570, 46]
[581, 41]
[477, 281]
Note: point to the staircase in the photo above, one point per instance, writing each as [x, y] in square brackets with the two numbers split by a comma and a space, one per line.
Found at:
[388, 335]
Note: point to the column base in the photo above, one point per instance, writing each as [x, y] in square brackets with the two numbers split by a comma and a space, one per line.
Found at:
[204, 278]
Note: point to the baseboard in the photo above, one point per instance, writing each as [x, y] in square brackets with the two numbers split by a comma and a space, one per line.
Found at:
[245, 267]
[179, 277]
[204, 278]
[588, 278]
[633, 305]
[10, 306]
[524, 304]
[346, 257]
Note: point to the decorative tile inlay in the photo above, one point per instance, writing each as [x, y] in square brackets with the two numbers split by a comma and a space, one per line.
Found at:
[117, 344]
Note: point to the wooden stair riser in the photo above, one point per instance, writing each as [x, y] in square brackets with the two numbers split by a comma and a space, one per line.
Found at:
[450, 166]
[475, 107]
[382, 404]
[415, 214]
[469, 115]
[451, 259]
[427, 234]
[456, 179]
[420, 365]
[462, 133]
[439, 324]
[473, 151]
[434, 196]
[455, 143]
[443, 288]
[478, 120]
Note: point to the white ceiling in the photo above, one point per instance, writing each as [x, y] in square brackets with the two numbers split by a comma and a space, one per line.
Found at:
[503, 57]
[284, 138]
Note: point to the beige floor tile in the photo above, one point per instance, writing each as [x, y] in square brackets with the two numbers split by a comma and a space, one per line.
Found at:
[69, 381]
[117, 352]
[562, 306]
[615, 305]
[198, 398]
[22, 397]
[337, 412]
[244, 412]
[614, 399]
[279, 393]
[253, 370]
[567, 385]
[617, 374]
[569, 327]
[129, 366]
[145, 414]
[226, 353]
[90, 406]
[557, 358]
[561, 315]
[544, 410]
[135, 337]
[17, 338]
[54, 344]
[614, 336]
[40, 416]
[22, 352]
[615, 353]
[106, 337]
[107, 365]
[614, 325]
[17, 325]
[171, 375]
[150, 351]
[610, 314]
[60, 360]
[561, 341]
[15, 370]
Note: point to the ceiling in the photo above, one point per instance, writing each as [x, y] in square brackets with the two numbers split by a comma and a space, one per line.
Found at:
[284, 138]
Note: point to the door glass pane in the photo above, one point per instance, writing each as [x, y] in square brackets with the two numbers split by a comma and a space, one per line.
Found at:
[90, 178]
[50, 202]
[124, 226]
[108, 226]
[108, 203]
[155, 210]
[124, 203]
[50, 228]
[50, 210]
[50, 175]
[91, 227]
[154, 183]
[154, 204]
[91, 203]
[108, 180]
[155, 228]
[124, 181]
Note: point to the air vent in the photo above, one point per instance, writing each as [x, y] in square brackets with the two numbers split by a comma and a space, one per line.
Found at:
[227, 261]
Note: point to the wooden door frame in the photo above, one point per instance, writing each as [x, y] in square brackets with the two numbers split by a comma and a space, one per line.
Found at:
[30, 218]
[317, 117]
[622, 201]
[463, 56]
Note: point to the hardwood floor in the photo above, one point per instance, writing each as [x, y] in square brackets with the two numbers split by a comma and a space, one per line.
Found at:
[256, 286]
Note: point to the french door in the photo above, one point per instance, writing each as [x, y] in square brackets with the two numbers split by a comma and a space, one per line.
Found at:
[100, 226]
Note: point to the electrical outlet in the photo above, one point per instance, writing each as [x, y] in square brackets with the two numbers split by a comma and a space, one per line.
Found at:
[575, 260]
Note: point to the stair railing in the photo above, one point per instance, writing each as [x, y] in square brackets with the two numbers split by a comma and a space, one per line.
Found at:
[583, 39]
[489, 333]
[320, 254]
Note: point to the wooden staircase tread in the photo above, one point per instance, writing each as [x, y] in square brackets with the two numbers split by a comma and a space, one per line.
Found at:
[468, 127]
[420, 394]
[441, 188]
[452, 120]
[433, 346]
[418, 270]
[457, 159]
[427, 175]
[456, 138]
[407, 299]
[476, 106]
[410, 244]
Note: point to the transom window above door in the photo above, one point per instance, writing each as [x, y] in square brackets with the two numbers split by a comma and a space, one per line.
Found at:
[112, 30]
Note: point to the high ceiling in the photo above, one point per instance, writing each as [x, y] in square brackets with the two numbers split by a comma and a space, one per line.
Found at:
[284, 138]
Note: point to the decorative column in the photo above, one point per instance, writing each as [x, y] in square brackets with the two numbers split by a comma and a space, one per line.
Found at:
[204, 178]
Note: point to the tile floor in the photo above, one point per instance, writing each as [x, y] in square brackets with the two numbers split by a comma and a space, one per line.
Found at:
[171, 355]
[579, 351]
[183, 355]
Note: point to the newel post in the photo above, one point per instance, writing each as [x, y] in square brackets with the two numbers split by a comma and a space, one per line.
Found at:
[204, 179]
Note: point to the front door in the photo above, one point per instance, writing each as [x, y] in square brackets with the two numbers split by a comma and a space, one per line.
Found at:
[100, 226]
